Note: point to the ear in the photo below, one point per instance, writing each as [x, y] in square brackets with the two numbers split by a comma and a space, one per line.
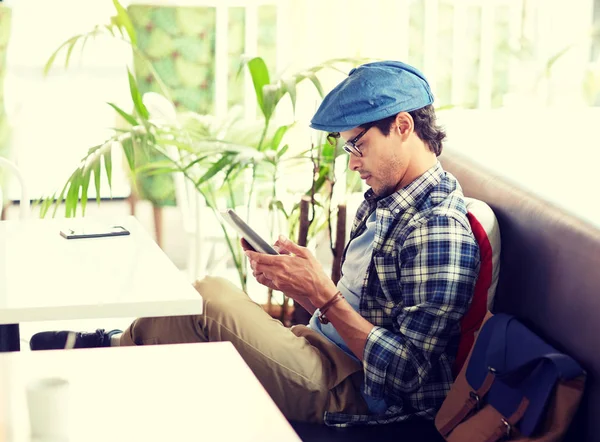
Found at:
[404, 125]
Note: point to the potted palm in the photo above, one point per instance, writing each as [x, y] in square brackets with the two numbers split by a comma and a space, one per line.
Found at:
[208, 154]
[228, 161]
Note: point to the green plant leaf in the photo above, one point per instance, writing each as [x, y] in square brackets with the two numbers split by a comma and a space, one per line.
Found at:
[158, 164]
[353, 182]
[69, 51]
[271, 96]
[97, 169]
[129, 153]
[317, 84]
[85, 184]
[154, 171]
[52, 58]
[327, 152]
[62, 195]
[279, 134]
[231, 169]
[195, 162]
[552, 60]
[143, 58]
[289, 86]
[214, 169]
[128, 117]
[323, 176]
[277, 204]
[333, 62]
[46, 203]
[110, 28]
[70, 44]
[137, 97]
[124, 21]
[208, 194]
[260, 77]
[138, 153]
[224, 146]
[73, 195]
[108, 166]
[83, 43]
[181, 145]
[283, 150]
[115, 27]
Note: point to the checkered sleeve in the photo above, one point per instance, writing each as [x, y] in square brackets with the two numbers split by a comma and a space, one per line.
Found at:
[438, 268]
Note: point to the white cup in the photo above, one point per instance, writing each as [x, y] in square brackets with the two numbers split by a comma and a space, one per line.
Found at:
[48, 403]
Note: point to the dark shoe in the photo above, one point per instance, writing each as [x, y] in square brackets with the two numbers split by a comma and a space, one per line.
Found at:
[56, 340]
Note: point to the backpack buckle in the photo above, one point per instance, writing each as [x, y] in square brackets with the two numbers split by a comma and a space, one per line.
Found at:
[508, 428]
[477, 400]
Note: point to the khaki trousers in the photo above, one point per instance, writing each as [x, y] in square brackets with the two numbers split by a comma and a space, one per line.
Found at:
[304, 373]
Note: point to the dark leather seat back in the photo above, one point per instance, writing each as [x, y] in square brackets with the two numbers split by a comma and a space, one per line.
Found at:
[549, 275]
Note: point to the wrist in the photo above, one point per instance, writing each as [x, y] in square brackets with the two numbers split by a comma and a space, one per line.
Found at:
[325, 307]
[323, 296]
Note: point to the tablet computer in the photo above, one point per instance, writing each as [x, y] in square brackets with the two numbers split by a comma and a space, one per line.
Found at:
[251, 237]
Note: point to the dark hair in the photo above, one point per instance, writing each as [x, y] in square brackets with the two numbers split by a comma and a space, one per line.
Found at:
[425, 127]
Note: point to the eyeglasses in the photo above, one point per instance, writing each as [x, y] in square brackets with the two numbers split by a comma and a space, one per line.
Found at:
[350, 145]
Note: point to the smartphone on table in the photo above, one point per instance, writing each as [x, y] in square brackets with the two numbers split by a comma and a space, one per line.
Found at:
[94, 231]
[246, 232]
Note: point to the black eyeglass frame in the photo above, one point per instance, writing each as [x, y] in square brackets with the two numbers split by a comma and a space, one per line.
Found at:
[350, 145]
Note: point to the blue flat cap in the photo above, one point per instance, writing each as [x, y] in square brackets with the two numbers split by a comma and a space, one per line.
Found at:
[371, 92]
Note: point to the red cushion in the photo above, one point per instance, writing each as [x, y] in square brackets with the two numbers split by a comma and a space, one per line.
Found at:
[471, 322]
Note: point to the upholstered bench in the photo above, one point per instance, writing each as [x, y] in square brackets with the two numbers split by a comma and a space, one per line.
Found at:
[549, 275]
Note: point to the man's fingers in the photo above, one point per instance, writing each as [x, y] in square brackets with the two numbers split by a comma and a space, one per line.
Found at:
[262, 279]
[264, 258]
[291, 246]
[260, 267]
[246, 245]
[253, 265]
[281, 250]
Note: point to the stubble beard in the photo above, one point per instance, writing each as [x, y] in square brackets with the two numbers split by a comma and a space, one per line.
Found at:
[387, 189]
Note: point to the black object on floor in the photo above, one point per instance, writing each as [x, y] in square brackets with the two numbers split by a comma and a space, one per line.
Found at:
[9, 337]
[57, 340]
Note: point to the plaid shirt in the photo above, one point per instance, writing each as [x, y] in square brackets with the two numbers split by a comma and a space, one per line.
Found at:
[419, 284]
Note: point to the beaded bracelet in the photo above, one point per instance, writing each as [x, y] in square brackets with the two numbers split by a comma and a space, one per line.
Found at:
[322, 318]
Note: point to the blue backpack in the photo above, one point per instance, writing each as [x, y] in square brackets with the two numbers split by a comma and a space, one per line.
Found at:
[514, 386]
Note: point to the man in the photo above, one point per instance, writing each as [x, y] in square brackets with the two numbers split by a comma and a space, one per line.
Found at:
[380, 344]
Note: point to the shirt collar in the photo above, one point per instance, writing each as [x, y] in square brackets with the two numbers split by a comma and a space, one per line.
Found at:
[409, 195]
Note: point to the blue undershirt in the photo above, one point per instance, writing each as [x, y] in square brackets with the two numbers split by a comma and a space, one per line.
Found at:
[356, 264]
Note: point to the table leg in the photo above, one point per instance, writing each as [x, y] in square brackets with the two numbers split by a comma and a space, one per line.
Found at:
[9, 338]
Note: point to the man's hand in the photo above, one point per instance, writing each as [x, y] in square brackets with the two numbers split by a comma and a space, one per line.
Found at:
[295, 272]
[259, 276]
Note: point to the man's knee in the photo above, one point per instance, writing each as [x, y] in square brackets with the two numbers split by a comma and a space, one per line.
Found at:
[226, 305]
[211, 287]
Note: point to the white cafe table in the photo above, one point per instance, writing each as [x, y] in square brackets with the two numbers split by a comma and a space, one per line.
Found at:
[185, 392]
[44, 276]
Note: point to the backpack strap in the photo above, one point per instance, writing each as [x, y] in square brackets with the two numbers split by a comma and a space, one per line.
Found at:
[471, 404]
